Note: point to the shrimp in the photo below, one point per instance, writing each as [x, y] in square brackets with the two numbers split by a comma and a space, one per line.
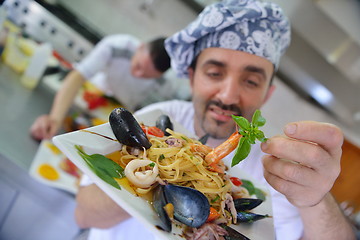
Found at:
[201, 150]
[214, 157]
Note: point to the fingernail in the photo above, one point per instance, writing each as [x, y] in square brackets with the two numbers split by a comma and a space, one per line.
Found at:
[290, 128]
[265, 144]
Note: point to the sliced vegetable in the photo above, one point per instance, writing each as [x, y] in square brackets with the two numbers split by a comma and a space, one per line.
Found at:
[213, 215]
[152, 131]
[236, 181]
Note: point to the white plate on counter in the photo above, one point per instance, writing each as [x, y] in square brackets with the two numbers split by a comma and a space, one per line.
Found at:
[48, 154]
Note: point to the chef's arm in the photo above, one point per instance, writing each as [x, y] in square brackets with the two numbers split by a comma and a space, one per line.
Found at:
[96, 209]
[325, 220]
[47, 125]
[66, 96]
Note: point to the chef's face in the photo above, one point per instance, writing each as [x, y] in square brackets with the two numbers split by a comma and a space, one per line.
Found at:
[227, 82]
[142, 65]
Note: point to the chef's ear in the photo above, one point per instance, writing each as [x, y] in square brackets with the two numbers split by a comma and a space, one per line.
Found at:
[191, 76]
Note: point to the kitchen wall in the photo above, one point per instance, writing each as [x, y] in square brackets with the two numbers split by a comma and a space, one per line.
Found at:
[143, 18]
[286, 106]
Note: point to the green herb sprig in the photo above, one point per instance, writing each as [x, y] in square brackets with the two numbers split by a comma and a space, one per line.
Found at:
[103, 167]
[250, 132]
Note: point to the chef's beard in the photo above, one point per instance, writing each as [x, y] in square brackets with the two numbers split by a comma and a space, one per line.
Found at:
[219, 124]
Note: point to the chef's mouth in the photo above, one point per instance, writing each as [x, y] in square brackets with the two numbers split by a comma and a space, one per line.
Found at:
[223, 112]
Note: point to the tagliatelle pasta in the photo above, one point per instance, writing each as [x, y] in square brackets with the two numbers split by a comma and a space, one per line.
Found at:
[181, 165]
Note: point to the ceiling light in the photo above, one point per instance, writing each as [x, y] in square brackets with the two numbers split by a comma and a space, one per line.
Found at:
[322, 94]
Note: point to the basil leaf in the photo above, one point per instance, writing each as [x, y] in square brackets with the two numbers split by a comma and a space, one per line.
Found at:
[260, 194]
[242, 122]
[250, 133]
[103, 167]
[241, 152]
[260, 136]
[248, 185]
[107, 178]
[257, 119]
[251, 138]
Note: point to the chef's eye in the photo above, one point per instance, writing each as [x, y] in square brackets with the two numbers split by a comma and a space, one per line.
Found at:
[213, 74]
[251, 83]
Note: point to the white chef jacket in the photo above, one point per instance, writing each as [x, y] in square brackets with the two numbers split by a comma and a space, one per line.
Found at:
[108, 67]
[287, 221]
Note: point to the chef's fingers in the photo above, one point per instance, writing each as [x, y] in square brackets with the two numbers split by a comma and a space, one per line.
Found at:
[290, 171]
[328, 136]
[298, 195]
[39, 129]
[306, 153]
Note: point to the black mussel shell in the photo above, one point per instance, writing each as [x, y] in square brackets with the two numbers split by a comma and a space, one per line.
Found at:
[245, 204]
[164, 122]
[233, 234]
[191, 207]
[127, 130]
[249, 217]
[159, 202]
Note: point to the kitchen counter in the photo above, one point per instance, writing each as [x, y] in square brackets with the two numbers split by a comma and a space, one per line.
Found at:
[38, 211]
[18, 109]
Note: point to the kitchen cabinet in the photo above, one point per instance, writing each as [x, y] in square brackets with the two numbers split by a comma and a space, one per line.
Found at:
[346, 187]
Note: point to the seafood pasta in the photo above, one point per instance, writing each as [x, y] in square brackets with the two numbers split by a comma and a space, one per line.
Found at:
[186, 179]
[179, 160]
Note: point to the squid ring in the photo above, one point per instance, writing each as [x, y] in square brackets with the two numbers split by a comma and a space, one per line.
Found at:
[141, 178]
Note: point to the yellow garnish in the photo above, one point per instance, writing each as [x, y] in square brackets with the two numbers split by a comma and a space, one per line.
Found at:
[48, 172]
[97, 121]
[53, 148]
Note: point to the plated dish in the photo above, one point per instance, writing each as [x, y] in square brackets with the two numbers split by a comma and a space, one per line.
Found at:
[91, 142]
[51, 167]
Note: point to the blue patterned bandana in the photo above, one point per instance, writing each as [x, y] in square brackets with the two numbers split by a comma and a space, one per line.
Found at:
[251, 26]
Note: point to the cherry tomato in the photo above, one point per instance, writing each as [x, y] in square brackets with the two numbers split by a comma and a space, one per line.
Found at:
[213, 215]
[236, 181]
[152, 131]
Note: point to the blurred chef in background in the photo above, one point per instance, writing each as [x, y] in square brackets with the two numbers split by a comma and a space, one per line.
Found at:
[121, 66]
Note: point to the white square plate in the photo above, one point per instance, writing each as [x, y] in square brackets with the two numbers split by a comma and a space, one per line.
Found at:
[45, 155]
[136, 206]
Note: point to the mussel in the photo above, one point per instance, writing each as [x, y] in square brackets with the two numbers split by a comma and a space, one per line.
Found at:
[232, 234]
[159, 202]
[245, 204]
[249, 217]
[127, 130]
[163, 122]
[191, 207]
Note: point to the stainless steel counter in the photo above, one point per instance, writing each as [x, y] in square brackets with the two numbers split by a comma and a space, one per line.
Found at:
[37, 210]
[19, 107]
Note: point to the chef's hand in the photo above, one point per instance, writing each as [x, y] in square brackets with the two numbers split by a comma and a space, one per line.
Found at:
[304, 164]
[44, 128]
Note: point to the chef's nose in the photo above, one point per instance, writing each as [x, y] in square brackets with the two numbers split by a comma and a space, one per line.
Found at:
[229, 92]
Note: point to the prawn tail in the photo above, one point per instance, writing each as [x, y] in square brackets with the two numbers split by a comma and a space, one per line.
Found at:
[223, 149]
